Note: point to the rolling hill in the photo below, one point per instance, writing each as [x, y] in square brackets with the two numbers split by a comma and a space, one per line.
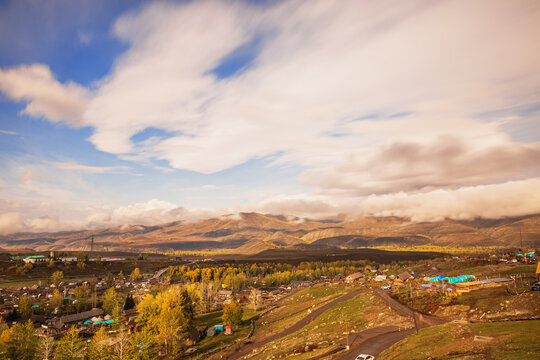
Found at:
[250, 233]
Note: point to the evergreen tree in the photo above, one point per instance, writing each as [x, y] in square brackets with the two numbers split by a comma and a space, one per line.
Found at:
[129, 303]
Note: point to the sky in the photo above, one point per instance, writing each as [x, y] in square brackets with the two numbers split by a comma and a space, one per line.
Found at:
[138, 112]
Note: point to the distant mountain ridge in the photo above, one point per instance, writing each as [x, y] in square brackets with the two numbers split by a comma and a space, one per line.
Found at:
[250, 233]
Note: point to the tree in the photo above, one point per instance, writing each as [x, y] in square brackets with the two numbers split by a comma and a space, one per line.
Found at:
[99, 348]
[164, 316]
[81, 294]
[57, 277]
[22, 343]
[3, 325]
[121, 274]
[70, 346]
[232, 313]
[109, 280]
[129, 303]
[254, 297]
[57, 299]
[25, 308]
[141, 345]
[45, 348]
[110, 302]
[135, 274]
[121, 346]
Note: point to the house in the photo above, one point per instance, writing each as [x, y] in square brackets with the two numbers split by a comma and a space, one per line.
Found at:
[353, 277]
[228, 330]
[379, 278]
[73, 318]
[68, 259]
[404, 276]
[35, 259]
[296, 283]
[225, 293]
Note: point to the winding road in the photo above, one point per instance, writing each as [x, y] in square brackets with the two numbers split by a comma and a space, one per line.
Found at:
[246, 349]
[371, 341]
[374, 341]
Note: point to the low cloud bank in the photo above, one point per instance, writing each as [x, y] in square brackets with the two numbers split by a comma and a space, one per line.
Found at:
[513, 198]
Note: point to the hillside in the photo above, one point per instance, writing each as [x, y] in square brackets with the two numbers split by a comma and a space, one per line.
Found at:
[250, 233]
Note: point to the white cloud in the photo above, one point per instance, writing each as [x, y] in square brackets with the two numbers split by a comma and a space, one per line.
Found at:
[44, 95]
[513, 198]
[11, 222]
[86, 168]
[5, 132]
[369, 97]
[85, 38]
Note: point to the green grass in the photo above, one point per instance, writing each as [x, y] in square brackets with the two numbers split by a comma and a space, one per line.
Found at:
[516, 339]
[295, 308]
[420, 345]
[215, 342]
[520, 269]
[213, 318]
[329, 328]
[44, 281]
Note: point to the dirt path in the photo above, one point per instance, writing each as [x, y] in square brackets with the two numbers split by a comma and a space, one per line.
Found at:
[243, 350]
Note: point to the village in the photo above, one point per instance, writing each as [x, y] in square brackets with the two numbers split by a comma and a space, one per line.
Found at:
[442, 287]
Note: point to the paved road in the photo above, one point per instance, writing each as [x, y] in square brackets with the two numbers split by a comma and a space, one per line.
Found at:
[375, 345]
[246, 349]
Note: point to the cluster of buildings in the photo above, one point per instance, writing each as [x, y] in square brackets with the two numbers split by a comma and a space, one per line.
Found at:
[55, 322]
[33, 259]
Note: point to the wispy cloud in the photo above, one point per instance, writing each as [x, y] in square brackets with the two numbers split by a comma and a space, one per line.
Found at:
[5, 132]
[86, 168]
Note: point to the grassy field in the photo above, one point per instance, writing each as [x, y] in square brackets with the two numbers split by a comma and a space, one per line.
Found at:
[511, 340]
[44, 281]
[215, 342]
[295, 308]
[325, 332]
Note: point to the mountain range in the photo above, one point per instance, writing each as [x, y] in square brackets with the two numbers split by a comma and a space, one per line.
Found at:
[250, 233]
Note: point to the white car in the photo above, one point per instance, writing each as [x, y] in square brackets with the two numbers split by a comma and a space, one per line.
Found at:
[365, 357]
[385, 287]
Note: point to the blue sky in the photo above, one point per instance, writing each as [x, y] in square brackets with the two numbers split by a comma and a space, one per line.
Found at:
[117, 112]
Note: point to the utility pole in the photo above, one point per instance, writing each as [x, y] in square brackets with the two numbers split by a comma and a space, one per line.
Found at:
[92, 244]
[415, 323]
[347, 333]
[388, 295]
